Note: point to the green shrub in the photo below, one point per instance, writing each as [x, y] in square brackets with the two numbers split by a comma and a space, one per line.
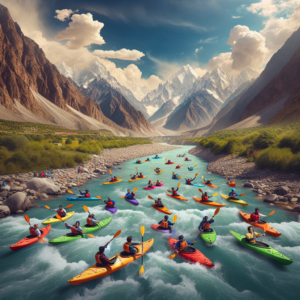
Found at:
[13, 142]
[68, 141]
[4, 154]
[294, 164]
[265, 140]
[219, 147]
[234, 146]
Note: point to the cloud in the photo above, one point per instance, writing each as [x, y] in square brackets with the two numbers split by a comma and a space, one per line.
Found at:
[209, 40]
[198, 49]
[223, 60]
[236, 17]
[64, 14]
[200, 71]
[82, 31]
[123, 54]
[265, 8]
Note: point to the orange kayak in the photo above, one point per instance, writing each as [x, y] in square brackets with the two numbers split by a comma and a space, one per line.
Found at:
[192, 257]
[177, 197]
[164, 209]
[270, 230]
[211, 203]
[231, 184]
[209, 184]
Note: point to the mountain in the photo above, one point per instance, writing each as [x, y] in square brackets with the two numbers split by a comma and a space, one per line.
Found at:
[97, 70]
[204, 100]
[116, 107]
[164, 111]
[173, 89]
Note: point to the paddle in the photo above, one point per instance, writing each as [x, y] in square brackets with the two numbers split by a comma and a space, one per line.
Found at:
[110, 172]
[69, 206]
[116, 235]
[270, 214]
[174, 221]
[86, 208]
[150, 197]
[142, 267]
[28, 221]
[196, 175]
[99, 197]
[135, 189]
[70, 192]
[59, 218]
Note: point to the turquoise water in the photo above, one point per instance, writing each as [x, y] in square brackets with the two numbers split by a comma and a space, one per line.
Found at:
[41, 271]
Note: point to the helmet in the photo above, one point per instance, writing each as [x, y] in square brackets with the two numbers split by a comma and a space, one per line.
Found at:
[78, 223]
[101, 249]
[166, 217]
[256, 209]
[181, 237]
[233, 189]
[205, 218]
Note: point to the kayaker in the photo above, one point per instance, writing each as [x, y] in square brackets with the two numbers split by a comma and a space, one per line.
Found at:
[254, 217]
[189, 181]
[91, 220]
[158, 183]
[174, 192]
[138, 161]
[134, 176]
[75, 229]
[158, 203]
[34, 231]
[35, 174]
[140, 175]
[128, 247]
[60, 211]
[182, 245]
[84, 194]
[101, 258]
[169, 162]
[113, 179]
[252, 235]
[205, 197]
[205, 224]
[165, 224]
[150, 184]
[233, 194]
[208, 181]
[156, 156]
[157, 170]
[148, 159]
[130, 195]
[231, 181]
[174, 176]
[109, 203]
[186, 159]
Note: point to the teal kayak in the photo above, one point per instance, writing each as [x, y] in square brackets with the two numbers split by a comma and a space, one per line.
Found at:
[209, 237]
[198, 185]
[263, 249]
[69, 237]
[82, 199]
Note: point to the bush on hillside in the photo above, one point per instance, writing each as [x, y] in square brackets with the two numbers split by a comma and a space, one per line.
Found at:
[265, 139]
[234, 146]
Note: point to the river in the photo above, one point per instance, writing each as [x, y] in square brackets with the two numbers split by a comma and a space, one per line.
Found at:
[41, 271]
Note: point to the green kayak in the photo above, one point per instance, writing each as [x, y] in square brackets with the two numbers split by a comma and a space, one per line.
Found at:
[69, 237]
[209, 237]
[263, 249]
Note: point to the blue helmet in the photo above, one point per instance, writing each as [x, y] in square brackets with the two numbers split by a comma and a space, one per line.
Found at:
[181, 237]
[233, 189]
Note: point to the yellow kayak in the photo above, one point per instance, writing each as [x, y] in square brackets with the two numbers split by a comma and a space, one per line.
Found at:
[54, 220]
[95, 272]
[237, 201]
[160, 172]
[136, 179]
[112, 182]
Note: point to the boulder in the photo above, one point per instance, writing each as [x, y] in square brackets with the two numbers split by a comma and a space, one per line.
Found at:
[97, 171]
[294, 200]
[248, 184]
[282, 190]
[85, 170]
[3, 194]
[43, 185]
[20, 211]
[270, 198]
[4, 211]
[43, 196]
[18, 201]
[297, 208]
[16, 188]
[5, 188]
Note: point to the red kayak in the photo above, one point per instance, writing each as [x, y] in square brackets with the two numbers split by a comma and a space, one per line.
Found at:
[192, 257]
[170, 163]
[29, 241]
[178, 167]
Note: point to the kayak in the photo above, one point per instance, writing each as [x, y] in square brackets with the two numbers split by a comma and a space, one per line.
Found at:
[158, 186]
[156, 157]
[237, 201]
[209, 184]
[210, 203]
[155, 227]
[190, 169]
[113, 210]
[209, 237]
[132, 200]
[198, 185]
[138, 162]
[233, 184]
[171, 163]
[176, 178]
[27, 241]
[164, 209]
[178, 167]
[55, 220]
[187, 160]
[69, 237]
[192, 257]
[82, 199]
[263, 249]
[95, 272]
[177, 197]
[112, 182]
[136, 179]
[269, 229]
[159, 172]
[148, 188]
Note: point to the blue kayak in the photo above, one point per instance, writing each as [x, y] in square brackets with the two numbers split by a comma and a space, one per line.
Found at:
[156, 157]
[82, 199]
[198, 185]
[191, 169]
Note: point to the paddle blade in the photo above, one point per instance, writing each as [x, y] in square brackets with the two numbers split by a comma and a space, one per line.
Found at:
[242, 194]
[271, 213]
[70, 192]
[136, 168]
[99, 197]
[110, 172]
[135, 189]
[85, 208]
[27, 219]
[175, 219]
[69, 206]
[47, 207]
[117, 234]
[153, 168]
[217, 211]
[196, 174]
[200, 191]
[226, 178]
[172, 256]
[122, 197]
[165, 159]
[141, 272]
[42, 240]
[215, 194]
[59, 217]
[90, 235]
[118, 177]
[202, 177]
[142, 230]
[265, 227]
[150, 197]
[178, 184]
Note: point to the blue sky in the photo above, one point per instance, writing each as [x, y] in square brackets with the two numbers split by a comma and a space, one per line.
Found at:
[167, 30]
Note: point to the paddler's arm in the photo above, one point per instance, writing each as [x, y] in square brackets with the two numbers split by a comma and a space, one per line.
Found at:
[67, 225]
[200, 226]
[259, 234]
[170, 223]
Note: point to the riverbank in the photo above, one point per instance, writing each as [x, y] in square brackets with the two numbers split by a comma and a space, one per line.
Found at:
[22, 189]
[275, 187]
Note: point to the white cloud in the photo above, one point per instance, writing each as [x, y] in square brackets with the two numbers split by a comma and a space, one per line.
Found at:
[123, 54]
[236, 17]
[209, 40]
[223, 60]
[200, 71]
[198, 49]
[64, 14]
[82, 31]
[266, 8]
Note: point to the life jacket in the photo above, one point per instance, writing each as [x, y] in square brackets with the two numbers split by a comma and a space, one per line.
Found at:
[61, 212]
[132, 194]
[89, 221]
[97, 258]
[205, 226]
[183, 245]
[158, 183]
[110, 203]
[205, 198]
[174, 193]
[141, 176]
[254, 217]
[126, 247]
[87, 195]
[42, 174]
[252, 237]
[164, 224]
[74, 230]
[32, 231]
[188, 181]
